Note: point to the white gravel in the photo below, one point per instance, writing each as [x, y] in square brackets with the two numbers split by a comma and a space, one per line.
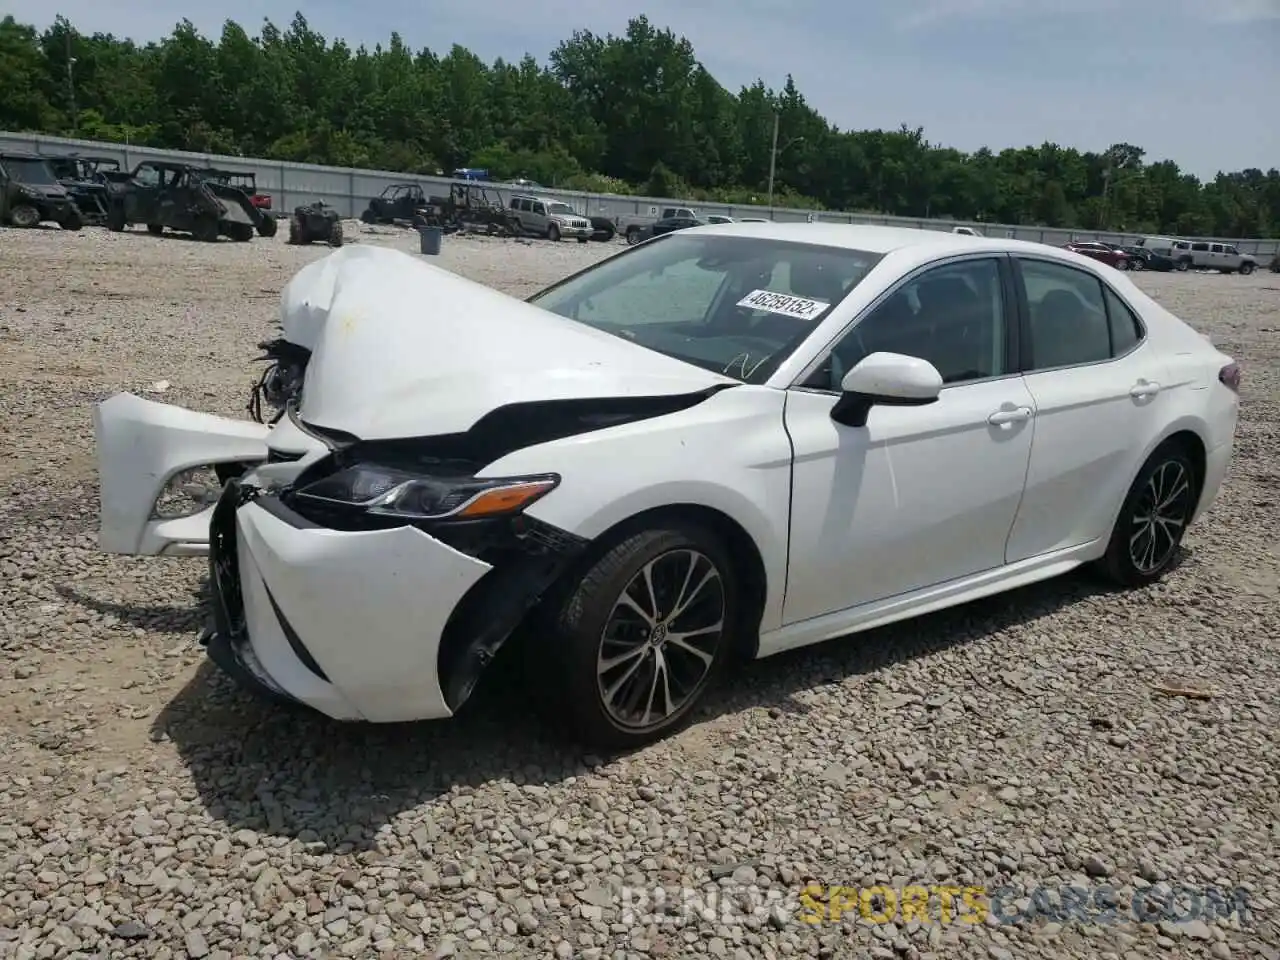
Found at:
[147, 808]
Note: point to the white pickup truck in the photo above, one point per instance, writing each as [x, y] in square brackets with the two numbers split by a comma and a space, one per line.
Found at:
[636, 224]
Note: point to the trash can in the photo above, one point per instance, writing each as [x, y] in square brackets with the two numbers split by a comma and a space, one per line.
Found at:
[429, 240]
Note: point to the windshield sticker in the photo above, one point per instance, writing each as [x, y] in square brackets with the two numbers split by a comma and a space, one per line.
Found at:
[802, 308]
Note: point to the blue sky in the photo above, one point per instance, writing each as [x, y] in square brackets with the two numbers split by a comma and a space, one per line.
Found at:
[1184, 79]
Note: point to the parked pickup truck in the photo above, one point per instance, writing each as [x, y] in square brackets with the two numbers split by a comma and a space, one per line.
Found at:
[633, 227]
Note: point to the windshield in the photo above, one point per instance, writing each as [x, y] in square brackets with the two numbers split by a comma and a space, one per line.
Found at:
[735, 305]
[562, 208]
[29, 171]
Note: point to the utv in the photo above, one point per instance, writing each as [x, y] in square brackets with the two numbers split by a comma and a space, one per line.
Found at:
[399, 202]
[315, 221]
[178, 196]
[246, 183]
[86, 180]
[31, 194]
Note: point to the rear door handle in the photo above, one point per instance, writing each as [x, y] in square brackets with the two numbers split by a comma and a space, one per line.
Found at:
[1016, 415]
[1144, 388]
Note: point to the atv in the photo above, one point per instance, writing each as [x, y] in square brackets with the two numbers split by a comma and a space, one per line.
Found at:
[398, 202]
[181, 197]
[30, 193]
[315, 221]
[85, 178]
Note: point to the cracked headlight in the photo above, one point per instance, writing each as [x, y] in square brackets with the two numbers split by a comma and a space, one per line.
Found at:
[392, 492]
[187, 493]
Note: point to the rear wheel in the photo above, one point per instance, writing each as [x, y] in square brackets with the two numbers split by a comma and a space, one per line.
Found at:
[1153, 518]
[267, 226]
[115, 218]
[205, 230]
[641, 637]
[24, 215]
[1184, 265]
[1122, 264]
[1246, 269]
[335, 234]
[240, 232]
[633, 235]
[73, 221]
[368, 217]
[155, 228]
[1137, 264]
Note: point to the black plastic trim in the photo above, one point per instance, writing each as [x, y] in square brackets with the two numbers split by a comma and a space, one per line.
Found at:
[295, 642]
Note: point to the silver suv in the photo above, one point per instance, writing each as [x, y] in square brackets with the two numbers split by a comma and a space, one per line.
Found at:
[549, 218]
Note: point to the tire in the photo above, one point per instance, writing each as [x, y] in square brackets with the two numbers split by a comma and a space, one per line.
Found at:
[267, 226]
[368, 217]
[24, 215]
[73, 222]
[1170, 476]
[335, 234]
[1183, 266]
[155, 229]
[1137, 265]
[584, 239]
[1246, 269]
[115, 219]
[633, 236]
[553, 233]
[568, 659]
[1122, 264]
[205, 230]
[240, 232]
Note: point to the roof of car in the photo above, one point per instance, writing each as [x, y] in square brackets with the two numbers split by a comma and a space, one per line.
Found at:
[872, 238]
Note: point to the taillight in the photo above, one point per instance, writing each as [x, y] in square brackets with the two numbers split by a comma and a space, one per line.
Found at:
[1229, 376]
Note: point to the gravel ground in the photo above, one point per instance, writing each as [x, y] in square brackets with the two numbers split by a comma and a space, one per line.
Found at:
[147, 808]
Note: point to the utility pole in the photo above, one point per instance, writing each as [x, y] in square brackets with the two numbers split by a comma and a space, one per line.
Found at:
[71, 83]
[773, 161]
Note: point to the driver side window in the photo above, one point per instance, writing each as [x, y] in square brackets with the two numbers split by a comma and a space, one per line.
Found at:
[952, 315]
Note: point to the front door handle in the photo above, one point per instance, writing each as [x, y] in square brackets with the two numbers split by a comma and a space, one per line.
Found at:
[1016, 415]
[1144, 388]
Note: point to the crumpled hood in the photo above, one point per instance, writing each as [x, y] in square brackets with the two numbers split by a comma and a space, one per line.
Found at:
[402, 348]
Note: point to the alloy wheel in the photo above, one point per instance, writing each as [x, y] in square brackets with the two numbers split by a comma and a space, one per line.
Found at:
[661, 638]
[1160, 516]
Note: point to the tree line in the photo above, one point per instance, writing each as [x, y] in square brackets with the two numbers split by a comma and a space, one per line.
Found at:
[635, 113]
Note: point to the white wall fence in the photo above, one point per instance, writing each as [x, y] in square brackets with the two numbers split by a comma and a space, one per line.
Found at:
[349, 190]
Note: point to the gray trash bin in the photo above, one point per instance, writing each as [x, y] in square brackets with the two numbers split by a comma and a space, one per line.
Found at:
[430, 239]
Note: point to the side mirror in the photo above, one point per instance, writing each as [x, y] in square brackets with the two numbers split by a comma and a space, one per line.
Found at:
[887, 380]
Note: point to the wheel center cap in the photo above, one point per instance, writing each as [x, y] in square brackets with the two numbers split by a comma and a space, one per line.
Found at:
[659, 634]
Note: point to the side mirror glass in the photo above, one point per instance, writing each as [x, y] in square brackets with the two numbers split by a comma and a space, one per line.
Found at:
[885, 379]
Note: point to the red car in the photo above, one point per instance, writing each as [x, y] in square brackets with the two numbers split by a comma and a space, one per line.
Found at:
[1101, 251]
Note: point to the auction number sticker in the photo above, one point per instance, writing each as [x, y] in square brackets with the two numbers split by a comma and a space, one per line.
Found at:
[801, 308]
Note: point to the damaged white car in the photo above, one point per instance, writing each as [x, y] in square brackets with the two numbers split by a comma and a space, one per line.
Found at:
[724, 442]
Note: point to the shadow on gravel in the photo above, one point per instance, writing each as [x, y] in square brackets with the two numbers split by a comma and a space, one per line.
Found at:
[291, 773]
[165, 618]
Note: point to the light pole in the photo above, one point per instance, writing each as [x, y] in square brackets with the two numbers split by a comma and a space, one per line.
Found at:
[71, 84]
[773, 157]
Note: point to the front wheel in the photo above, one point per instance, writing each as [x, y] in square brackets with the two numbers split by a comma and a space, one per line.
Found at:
[1184, 266]
[73, 221]
[1246, 269]
[642, 636]
[633, 236]
[24, 215]
[584, 239]
[1153, 519]
[1122, 264]
[553, 233]
[1137, 265]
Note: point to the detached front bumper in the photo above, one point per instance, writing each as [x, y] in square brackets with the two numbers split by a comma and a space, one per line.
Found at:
[348, 623]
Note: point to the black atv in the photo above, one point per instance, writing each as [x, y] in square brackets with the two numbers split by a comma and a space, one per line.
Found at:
[85, 178]
[30, 193]
[180, 197]
[315, 222]
[400, 202]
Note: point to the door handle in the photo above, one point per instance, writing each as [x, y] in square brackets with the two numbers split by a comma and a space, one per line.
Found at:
[1016, 415]
[1144, 388]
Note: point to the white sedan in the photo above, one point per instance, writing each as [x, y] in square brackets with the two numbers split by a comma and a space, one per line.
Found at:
[724, 442]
